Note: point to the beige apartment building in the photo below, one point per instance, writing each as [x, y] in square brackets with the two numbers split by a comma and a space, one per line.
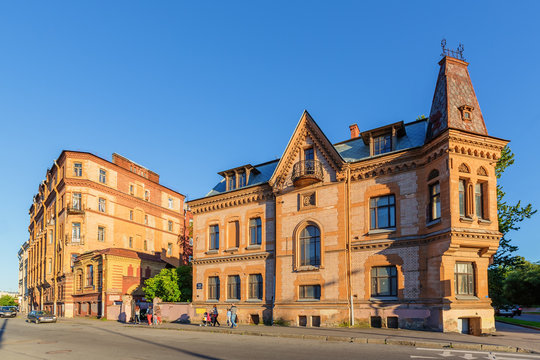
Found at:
[86, 203]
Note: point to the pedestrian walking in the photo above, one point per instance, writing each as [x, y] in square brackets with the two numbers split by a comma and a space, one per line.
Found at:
[215, 316]
[157, 313]
[149, 314]
[205, 317]
[228, 316]
[137, 314]
[233, 316]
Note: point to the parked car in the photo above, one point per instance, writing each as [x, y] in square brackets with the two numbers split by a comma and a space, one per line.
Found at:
[504, 311]
[517, 310]
[7, 311]
[39, 316]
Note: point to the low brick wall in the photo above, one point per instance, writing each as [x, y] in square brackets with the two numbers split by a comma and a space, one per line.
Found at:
[177, 312]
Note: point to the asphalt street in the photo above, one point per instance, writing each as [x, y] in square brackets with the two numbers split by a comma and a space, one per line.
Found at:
[110, 340]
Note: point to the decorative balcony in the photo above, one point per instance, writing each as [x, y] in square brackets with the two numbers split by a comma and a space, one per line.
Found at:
[307, 172]
[75, 210]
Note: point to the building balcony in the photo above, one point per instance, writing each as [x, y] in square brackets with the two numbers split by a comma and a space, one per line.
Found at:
[75, 210]
[307, 172]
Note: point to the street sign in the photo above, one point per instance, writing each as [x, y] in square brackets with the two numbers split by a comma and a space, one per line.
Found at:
[199, 286]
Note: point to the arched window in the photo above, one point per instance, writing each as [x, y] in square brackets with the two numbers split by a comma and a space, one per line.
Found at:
[310, 246]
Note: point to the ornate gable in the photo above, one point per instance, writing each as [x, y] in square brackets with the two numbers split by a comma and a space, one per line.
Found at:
[307, 133]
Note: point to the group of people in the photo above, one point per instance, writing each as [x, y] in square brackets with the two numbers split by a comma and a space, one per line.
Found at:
[153, 315]
[210, 318]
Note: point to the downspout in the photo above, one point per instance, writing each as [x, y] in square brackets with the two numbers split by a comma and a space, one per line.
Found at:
[55, 254]
[349, 256]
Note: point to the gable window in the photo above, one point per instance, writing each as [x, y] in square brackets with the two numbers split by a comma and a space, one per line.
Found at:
[77, 169]
[76, 201]
[101, 233]
[255, 287]
[234, 238]
[171, 203]
[169, 249]
[102, 176]
[310, 292]
[382, 144]
[233, 287]
[170, 225]
[213, 288]
[214, 237]
[102, 204]
[383, 212]
[310, 246]
[89, 275]
[462, 198]
[232, 182]
[76, 232]
[434, 201]
[479, 199]
[255, 231]
[383, 281]
[464, 278]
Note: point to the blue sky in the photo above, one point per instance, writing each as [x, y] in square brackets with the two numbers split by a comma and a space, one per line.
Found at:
[191, 88]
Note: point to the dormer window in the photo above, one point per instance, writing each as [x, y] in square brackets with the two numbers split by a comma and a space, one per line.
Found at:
[241, 180]
[232, 182]
[382, 144]
[466, 112]
[238, 177]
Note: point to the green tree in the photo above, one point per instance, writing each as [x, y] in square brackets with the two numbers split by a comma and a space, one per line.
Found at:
[7, 300]
[509, 216]
[164, 286]
[522, 285]
[185, 282]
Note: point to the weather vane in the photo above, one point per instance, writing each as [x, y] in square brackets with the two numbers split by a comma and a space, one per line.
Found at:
[458, 53]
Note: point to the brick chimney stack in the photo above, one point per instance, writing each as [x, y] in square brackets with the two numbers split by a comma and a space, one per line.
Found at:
[354, 131]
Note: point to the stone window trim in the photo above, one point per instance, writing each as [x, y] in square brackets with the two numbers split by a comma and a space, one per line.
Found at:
[433, 222]
[296, 247]
[465, 198]
[471, 278]
[253, 247]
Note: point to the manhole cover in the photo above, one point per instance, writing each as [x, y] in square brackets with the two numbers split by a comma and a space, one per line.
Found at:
[58, 352]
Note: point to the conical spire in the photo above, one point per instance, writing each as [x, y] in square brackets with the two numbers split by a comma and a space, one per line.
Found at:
[454, 103]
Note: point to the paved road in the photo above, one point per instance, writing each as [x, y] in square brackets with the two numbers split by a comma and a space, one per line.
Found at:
[108, 340]
[528, 317]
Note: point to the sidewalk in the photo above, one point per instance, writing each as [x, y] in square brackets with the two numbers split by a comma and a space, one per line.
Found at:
[509, 339]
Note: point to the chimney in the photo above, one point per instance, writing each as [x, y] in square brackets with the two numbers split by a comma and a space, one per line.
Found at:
[354, 131]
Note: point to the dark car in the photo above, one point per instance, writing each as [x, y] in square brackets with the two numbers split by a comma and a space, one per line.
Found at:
[517, 310]
[39, 316]
[7, 311]
[506, 311]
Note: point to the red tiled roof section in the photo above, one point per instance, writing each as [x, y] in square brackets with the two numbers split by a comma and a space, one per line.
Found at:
[453, 92]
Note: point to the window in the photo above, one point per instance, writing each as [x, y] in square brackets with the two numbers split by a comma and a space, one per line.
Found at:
[310, 246]
[383, 212]
[213, 288]
[241, 180]
[479, 200]
[131, 189]
[102, 176]
[51, 237]
[145, 245]
[76, 201]
[130, 242]
[49, 266]
[434, 201]
[382, 144]
[79, 284]
[255, 286]
[190, 241]
[171, 203]
[101, 233]
[146, 195]
[233, 287]
[464, 278]
[77, 169]
[76, 232]
[310, 292]
[170, 225]
[130, 214]
[169, 249]
[234, 238]
[309, 154]
[89, 275]
[102, 205]
[462, 198]
[232, 182]
[146, 219]
[255, 231]
[214, 237]
[100, 279]
[384, 281]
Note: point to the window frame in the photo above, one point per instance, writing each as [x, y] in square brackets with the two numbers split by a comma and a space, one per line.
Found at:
[234, 288]
[309, 292]
[470, 278]
[382, 144]
[77, 169]
[75, 230]
[103, 176]
[102, 205]
[374, 212]
[169, 249]
[213, 237]
[89, 280]
[308, 243]
[376, 279]
[255, 231]
[480, 200]
[170, 225]
[255, 287]
[435, 211]
[101, 229]
[462, 197]
[214, 288]
[76, 201]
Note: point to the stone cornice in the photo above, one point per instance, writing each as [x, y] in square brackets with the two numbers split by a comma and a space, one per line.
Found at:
[232, 198]
[232, 258]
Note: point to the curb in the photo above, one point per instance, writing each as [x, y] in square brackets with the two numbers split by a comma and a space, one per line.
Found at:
[361, 340]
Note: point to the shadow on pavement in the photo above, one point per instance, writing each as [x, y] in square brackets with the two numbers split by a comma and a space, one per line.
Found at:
[2, 330]
[187, 352]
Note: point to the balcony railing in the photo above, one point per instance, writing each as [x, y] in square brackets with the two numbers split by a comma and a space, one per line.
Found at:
[307, 172]
[75, 209]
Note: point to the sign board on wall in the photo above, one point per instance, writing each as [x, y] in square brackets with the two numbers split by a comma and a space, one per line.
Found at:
[199, 286]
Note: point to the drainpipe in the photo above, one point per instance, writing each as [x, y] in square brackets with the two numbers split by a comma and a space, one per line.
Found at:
[55, 254]
[349, 256]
